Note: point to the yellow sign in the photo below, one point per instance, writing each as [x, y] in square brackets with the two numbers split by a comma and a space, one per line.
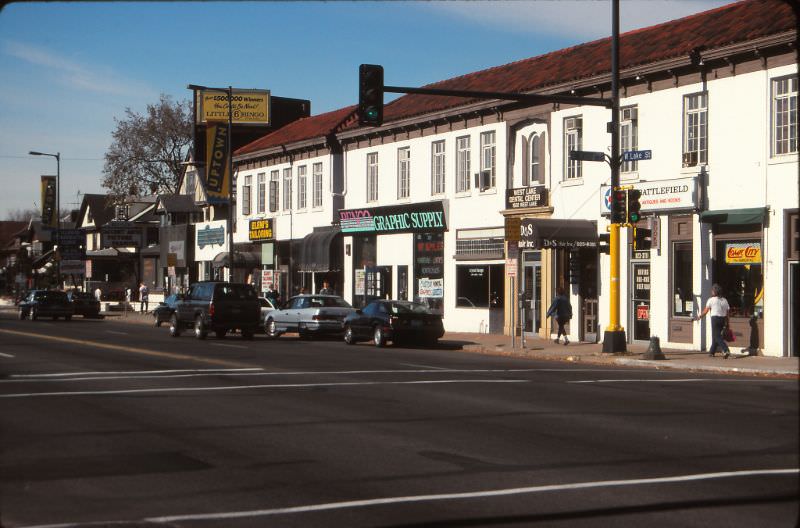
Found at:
[250, 107]
[49, 212]
[261, 230]
[217, 165]
[743, 253]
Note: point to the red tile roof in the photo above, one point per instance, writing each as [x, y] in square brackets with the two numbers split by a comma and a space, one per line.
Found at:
[738, 22]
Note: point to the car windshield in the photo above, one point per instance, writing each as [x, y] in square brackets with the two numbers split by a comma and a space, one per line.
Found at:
[408, 307]
[235, 291]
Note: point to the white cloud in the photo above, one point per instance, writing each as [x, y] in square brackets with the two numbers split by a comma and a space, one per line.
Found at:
[69, 73]
[576, 20]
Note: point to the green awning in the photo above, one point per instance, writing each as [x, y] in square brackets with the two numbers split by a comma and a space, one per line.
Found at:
[753, 215]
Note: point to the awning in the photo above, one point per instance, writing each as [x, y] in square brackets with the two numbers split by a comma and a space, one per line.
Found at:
[753, 215]
[547, 233]
[242, 259]
[316, 252]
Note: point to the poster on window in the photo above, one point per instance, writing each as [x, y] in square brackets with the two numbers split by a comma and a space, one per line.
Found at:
[431, 288]
[361, 279]
[743, 253]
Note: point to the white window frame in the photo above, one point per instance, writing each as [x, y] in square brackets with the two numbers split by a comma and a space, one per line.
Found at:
[372, 177]
[262, 192]
[534, 160]
[438, 160]
[403, 173]
[287, 189]
[573, 140]
[316, 177]
[275, 191]
[301, 187]
[628, 136]
[463, 162]
[488, 156]
[784, 115]
[248, 181]
[695, 129]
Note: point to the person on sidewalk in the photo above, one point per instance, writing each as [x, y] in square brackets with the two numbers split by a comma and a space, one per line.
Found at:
[144, 297]
[326, 289]
[719, 308]
[562, 310]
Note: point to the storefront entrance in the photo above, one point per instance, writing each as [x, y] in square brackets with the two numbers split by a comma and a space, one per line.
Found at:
[532, 287]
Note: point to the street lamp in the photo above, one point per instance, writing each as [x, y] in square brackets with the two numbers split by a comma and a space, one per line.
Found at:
[229, 92]
[57, 156]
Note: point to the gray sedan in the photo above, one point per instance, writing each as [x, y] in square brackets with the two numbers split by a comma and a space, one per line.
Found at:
[308, 315]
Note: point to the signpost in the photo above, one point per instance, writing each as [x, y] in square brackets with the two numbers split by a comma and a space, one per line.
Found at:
[587, 155]
[637, 155]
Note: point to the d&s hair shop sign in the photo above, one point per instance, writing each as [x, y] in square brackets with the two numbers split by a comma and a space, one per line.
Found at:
[423, 217]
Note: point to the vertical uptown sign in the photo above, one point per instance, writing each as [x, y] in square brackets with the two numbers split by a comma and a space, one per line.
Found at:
[49, 213]
[217, 165]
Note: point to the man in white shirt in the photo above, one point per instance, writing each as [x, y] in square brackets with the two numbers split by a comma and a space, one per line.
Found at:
[719, 308]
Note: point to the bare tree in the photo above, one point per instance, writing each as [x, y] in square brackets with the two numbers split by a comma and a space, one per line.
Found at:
[147, 150]
[23, 215]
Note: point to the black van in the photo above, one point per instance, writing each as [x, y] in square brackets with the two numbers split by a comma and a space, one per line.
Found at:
[219, 307]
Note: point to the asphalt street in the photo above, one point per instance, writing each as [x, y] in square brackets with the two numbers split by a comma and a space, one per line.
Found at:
[110, 423]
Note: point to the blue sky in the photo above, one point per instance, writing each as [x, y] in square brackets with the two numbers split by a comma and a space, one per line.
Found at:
[69, 69]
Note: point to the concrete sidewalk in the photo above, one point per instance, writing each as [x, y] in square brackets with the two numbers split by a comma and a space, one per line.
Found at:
[536, 348]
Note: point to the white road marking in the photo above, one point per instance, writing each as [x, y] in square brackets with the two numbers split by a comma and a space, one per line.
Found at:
[436, 497]
[228, 346]
[102, 373]
[677, 380]
[116, 332]
[245, 387]
[6, 355]
[423, 366]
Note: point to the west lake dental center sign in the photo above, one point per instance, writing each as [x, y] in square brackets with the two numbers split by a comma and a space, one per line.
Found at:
[413, 218]
[661, 195]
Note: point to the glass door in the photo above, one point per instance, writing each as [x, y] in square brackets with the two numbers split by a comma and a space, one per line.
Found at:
[532, 288]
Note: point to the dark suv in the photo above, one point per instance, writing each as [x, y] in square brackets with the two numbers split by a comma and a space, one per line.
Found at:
[219, 307]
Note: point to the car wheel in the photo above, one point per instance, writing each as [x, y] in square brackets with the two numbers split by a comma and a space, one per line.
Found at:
[34, 315]
[200, 331]
[158, 322]
[271, 329]
[349, 338]
[174, 326]
[22, 314]
[220, 333]
[378, 337]
[247, 334]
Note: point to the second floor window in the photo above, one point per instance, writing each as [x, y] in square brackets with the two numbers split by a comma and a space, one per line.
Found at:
[488, 156]
[573, 138]
[372, 177]
[462, 164]
[262, 192]
[274, 183]
[246, 195]
[695, 130]
[316, 176]
[403, 172]
[287, 189]
[784, 116]
[534, 160]
[628, 132]
[437, 167]
[301, 187]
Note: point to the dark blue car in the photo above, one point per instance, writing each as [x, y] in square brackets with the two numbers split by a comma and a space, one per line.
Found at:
[397, 321]
[165, 309]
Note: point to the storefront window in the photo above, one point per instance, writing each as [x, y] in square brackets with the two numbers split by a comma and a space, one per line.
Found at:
[429, 270]
[738, 271]
[479, 286]
[682, 301]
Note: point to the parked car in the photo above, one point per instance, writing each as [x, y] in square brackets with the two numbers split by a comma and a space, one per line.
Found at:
[396, 321]
[84, 304]
[220, 307]
[46, 303]
[267, 305]
[308, 315]
[163, 312]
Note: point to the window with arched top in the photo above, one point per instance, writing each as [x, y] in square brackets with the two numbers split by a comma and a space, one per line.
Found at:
[534, 159]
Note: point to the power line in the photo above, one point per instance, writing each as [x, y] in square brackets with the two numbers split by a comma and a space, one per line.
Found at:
[63, 159]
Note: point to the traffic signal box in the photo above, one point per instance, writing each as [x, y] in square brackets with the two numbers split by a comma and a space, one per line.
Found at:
[634, 206]
[619, 206]
[642, 238]
[574, 267]
[370, 95]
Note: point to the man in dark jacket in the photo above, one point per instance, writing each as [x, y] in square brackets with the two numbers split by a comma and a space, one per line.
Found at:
[562, 310]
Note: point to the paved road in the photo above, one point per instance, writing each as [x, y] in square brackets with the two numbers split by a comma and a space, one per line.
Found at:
[108, 422]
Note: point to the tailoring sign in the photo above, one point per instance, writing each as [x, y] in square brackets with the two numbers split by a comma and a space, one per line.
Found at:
[743, 253]
[262, 229]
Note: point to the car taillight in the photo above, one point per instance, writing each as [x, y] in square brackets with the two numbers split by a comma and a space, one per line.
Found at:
[211, 309]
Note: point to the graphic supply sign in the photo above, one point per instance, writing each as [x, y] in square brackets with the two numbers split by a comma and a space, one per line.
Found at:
[414, 218]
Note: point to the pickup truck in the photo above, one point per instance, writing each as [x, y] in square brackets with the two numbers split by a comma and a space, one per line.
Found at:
[219, 307]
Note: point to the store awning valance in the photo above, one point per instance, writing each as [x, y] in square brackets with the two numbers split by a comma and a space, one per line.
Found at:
[753, 215]
[241, 259]
[548, 233]
[316, 252]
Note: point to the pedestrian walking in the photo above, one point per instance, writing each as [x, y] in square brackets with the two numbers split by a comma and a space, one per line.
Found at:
[719, 308]
[561, 309]
[98, 293]
[144, 297]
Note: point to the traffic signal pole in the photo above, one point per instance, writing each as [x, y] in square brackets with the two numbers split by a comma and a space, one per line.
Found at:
[614, 337]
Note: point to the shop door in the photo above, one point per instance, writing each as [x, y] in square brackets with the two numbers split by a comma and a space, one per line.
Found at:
[794, 309]
[532, 304]
[640, 301]
[378, 283]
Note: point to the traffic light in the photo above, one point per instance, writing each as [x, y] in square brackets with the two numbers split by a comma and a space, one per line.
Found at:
[642, 238]
[634, 206]
[619, 206]
[574, 267]
[370, 95]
